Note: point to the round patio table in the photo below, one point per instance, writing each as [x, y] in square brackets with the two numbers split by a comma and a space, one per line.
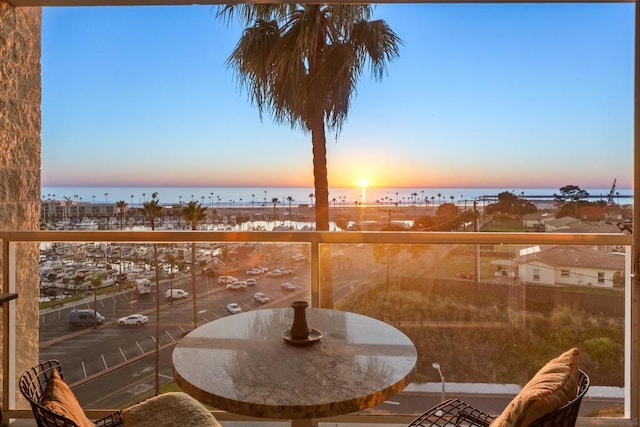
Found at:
[242, 364]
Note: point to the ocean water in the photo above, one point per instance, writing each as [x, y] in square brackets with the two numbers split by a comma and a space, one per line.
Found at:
[257, 196]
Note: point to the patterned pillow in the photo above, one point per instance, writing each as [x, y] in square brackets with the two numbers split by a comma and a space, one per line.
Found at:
[59, 398]
[553, 386]
[169, 409]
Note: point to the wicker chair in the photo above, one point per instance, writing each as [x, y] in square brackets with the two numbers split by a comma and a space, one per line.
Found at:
[32, 385]
[454, 412]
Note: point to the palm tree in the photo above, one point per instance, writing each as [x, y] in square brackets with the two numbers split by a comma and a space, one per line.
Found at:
[275, 201]
[289, 199]
[121, 206]
[193, 213]
[301, 62]
[152, 210]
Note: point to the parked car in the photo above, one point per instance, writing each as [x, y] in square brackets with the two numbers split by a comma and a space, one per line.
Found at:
[288, 287]
[133, 319]
[85, 317]
[176, 294]
[251, 282]
[274, 273]
[237, 285]
[299, 257]
[287, 270]
[233, 308]
[225, 280]
[254, 271]
[261, 298]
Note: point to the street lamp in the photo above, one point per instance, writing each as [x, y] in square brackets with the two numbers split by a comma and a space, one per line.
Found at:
[436, 365]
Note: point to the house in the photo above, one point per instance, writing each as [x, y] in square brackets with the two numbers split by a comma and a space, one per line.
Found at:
[560, 224]
[235, 259]
[537, 219]
[569, 265]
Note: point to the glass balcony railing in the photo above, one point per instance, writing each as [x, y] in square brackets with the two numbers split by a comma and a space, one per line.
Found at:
[488, 308]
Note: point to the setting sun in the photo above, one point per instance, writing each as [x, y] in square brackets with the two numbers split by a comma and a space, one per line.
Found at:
[363, 182]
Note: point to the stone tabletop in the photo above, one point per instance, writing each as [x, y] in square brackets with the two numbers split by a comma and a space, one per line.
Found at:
[242, 364]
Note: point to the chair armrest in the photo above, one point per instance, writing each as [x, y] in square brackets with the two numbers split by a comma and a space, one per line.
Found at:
[112, 420]
[453, 412]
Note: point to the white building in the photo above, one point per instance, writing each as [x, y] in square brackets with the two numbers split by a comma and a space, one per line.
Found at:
[569, 265]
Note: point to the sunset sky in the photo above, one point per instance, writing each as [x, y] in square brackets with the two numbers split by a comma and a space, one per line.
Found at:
[493, 95]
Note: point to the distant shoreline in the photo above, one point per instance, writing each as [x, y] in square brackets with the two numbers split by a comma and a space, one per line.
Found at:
[217, 197]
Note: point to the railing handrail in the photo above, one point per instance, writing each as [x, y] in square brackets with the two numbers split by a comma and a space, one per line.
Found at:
[315, 237]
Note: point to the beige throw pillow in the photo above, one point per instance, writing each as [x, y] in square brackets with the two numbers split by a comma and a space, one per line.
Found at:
[59, 398]
[553, 386]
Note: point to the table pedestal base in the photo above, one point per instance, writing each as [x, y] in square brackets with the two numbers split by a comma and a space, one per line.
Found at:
[302, 423]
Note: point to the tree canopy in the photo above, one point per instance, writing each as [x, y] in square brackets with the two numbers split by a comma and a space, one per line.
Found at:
[511, 204]
[447, 218]
[301, 63]
[570, 193]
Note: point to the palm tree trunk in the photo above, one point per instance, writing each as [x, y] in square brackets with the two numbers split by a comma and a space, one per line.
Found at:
[193, 284]
[321, 184]
[157, 349]
[320, 179]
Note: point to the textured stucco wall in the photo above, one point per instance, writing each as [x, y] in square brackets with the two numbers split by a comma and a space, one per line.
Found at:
[20, 92]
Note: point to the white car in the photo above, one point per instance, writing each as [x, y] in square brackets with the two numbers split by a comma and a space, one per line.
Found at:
[176, 294]
[261, 298]
[251, 282]
[225, 280]
[237, 285]
[233, 308]
[133, 319]
[254, 271]
[274, 273]
[288, 287]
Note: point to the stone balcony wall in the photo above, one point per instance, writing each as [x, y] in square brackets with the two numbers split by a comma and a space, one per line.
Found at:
[20, 125]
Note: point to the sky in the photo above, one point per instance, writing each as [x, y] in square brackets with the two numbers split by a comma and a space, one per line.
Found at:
[485, 95]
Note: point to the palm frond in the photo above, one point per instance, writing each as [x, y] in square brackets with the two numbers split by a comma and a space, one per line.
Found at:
[376, 42]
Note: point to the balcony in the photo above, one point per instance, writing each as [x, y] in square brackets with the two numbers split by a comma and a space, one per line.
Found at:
[369, 270]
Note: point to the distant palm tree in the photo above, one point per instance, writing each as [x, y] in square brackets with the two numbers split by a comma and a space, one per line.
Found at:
[289, 199]
[121, 206]
[275, 201]
[193, 213]
[301, 62]
[151, 210]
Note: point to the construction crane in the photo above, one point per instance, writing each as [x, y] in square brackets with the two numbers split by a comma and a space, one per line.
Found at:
[612, 193]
